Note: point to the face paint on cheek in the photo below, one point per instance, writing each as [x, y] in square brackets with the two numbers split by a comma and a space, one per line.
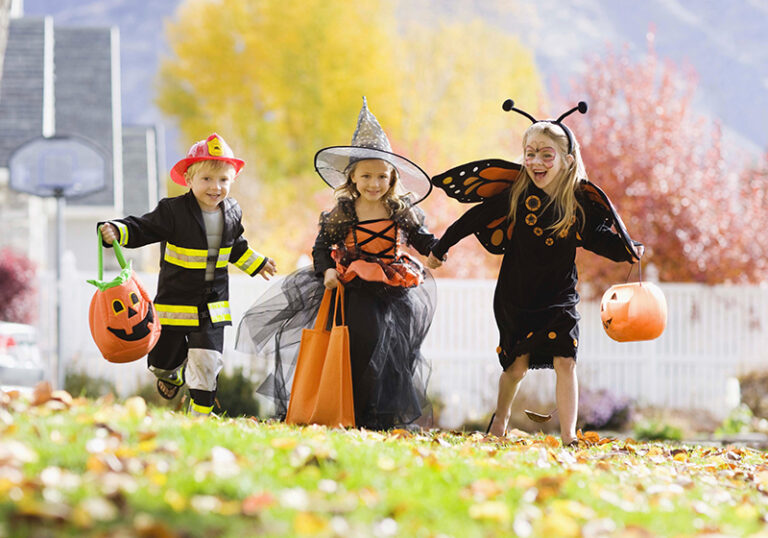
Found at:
[545, 155]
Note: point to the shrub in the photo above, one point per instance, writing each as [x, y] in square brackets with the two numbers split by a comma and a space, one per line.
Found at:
[79, 383]
[738, 421]
[656, 430]
[236, 395]
[603, 409]
[754, 392]
[18, 289]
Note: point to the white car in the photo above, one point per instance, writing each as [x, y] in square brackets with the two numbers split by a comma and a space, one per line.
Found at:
[21, 365]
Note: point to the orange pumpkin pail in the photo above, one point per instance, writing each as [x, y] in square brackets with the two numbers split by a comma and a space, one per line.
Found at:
[634, 311]
[123, 320]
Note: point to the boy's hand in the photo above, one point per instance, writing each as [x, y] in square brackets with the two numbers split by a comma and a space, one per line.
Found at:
[108, 233]
[433, 262]
[331, 278]
[269, 269]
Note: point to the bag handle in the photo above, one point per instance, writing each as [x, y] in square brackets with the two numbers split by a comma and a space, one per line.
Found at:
[339, 305]
[321, 322]
[118, 254]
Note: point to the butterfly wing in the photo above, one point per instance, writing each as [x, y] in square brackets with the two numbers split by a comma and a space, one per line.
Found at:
[494, 235]
[600, 201]
[477, 181]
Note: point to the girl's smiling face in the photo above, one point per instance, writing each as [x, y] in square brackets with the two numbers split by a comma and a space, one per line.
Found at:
[372, 177]
[543, 161]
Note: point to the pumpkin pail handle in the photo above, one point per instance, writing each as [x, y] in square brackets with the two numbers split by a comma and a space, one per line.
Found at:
[121, 278]
[118, 254]
[639, 264]
[101, 255]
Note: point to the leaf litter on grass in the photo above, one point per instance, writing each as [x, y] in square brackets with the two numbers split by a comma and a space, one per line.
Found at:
[108, 467]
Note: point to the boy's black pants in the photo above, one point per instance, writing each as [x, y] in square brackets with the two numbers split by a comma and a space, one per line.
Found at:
[201, 348]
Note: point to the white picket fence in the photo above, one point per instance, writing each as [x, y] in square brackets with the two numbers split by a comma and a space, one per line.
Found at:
[713, 333]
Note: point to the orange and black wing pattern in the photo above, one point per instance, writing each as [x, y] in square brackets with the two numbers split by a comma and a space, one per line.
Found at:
[495, 235]
[600, 201]
[477, 181]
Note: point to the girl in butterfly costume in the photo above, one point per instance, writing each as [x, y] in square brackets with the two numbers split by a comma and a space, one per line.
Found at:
[389, 297]
[536, 215]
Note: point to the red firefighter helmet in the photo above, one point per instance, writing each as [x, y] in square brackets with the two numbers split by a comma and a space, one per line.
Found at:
[212, 148]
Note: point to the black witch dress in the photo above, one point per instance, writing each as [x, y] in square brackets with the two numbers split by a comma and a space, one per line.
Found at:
[535, 298]
[389, 305]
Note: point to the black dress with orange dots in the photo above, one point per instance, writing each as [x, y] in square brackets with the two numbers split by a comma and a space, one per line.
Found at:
[535, 298]
[389, 304]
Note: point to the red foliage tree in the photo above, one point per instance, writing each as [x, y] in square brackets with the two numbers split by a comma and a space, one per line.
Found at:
[18, 291]
[662, 165]
[753, 205]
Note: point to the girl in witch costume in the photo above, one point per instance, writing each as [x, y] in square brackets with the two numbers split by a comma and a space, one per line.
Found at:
[389, 297]
[536, 215]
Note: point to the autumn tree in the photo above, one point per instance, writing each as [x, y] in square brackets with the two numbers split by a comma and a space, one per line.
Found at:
[280, 80]
[753, 207]
[662, 164]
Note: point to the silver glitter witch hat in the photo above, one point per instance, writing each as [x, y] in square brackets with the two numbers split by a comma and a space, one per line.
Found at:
[370, 142]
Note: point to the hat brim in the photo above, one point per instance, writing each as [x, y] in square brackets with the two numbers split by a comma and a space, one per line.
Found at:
[332, 162]
[180, 168]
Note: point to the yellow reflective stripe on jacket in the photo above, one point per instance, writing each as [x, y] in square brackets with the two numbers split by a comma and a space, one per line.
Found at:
[189, 258]
[223, 258]
[183, 315]
[250, 262]
[219, 311]
[122, 229]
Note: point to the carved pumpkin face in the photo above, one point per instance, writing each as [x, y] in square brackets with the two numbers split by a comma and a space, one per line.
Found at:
[633, 312]
[124, 321]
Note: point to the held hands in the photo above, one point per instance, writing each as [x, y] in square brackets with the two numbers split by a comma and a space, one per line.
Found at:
[433, 262]
[269, 269]
[108, 233]
[331, 278]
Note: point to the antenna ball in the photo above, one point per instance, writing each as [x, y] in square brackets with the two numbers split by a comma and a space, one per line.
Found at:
[509, 104]
[582, 107]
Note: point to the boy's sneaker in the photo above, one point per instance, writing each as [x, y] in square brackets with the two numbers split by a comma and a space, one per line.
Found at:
[168, 387]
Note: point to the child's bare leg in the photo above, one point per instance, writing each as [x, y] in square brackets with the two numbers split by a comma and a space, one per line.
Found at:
[509, 382]
[567, 395]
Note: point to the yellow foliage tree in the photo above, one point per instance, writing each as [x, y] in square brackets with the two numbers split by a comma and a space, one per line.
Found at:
[276, 77]
[280, 80]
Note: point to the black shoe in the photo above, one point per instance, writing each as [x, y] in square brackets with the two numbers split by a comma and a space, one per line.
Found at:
[166, 389]
[169, 388]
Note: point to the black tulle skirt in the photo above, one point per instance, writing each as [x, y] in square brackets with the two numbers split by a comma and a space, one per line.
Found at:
[387, 326]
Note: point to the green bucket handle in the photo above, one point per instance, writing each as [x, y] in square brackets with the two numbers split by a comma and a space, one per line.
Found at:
[126, 267]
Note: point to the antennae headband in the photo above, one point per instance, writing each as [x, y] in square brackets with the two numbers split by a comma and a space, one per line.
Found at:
[509, 105]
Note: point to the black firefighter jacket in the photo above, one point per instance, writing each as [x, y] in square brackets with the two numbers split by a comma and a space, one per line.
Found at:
[183, 296]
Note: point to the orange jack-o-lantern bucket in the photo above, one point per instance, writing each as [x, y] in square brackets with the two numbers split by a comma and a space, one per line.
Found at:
[634, 311]
[123, 320]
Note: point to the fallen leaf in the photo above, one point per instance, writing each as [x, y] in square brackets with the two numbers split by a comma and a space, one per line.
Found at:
[41, 393]
[493, 510]
[309, 523]
[253, 504]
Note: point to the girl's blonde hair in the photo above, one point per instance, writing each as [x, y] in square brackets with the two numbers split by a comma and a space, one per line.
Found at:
[564, 198]
[208, 165]
[392, 199]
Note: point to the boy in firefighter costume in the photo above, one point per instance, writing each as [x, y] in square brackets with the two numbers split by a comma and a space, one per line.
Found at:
[199, 234]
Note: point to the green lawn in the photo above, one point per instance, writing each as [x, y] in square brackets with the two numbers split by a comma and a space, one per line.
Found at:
[102, 468]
